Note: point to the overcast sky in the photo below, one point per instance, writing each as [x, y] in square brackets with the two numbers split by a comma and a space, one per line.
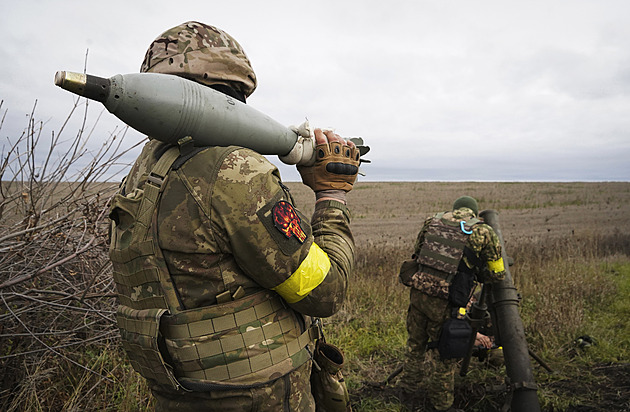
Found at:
[440, 90]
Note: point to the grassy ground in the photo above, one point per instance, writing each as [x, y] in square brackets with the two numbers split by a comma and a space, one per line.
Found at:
[572, 269]
[582, 291]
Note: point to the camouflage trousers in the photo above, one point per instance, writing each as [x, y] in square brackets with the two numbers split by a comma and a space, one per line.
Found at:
[289, 393]
[423, 368]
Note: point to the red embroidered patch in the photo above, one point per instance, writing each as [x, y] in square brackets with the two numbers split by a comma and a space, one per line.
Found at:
[286, 219]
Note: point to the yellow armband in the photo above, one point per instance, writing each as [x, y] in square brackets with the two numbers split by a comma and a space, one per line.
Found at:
[496, 266]
[308, 276]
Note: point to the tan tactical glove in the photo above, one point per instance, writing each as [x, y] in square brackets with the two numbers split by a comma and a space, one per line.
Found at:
[336, 167]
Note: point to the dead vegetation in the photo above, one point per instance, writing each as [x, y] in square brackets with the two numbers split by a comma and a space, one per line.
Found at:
[59, 344]
[56, 291]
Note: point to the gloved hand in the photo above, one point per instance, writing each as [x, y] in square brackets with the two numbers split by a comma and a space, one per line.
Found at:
[336, 163]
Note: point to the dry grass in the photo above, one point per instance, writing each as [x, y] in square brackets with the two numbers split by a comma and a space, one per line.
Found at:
[566, 240]
[391, 213]
[569, 287]
[59, 344]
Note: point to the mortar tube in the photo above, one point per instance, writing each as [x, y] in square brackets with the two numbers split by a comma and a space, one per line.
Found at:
[512, 334]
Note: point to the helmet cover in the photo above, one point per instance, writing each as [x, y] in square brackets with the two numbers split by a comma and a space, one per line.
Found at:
[202, 53]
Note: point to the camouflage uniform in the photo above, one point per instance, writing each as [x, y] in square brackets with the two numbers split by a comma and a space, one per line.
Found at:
[227, 233]
[426, 314]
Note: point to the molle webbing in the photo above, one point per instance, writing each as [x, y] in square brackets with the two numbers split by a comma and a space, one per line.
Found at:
[139, 330]
[136, 268]
[437, 273]
[440, 244]
[145, 291]
[230, 342]
[140, 287]
[443, 246]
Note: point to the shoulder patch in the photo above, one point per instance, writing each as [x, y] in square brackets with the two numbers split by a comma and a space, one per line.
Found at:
[286, 225]
[287, 221]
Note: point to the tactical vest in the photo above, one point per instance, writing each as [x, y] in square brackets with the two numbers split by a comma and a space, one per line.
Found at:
[440, 254]
[242, 343]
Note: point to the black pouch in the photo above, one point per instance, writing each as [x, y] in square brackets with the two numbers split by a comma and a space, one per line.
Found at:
[454, 338]
[460, 288]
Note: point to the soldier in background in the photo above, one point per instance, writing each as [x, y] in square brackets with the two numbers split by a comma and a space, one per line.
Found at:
[453, 251]
[220, 277]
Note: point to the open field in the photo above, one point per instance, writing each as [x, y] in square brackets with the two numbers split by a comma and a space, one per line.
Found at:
[570, 243]
[388, 213]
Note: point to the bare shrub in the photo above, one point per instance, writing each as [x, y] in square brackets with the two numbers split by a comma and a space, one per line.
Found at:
[56, 291]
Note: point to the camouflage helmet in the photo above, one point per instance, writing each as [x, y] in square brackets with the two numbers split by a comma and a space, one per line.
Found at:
[466, 201]
[202, 53]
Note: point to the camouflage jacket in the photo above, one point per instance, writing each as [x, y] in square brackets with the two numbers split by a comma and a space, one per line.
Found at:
[483, 241]
[217, 229]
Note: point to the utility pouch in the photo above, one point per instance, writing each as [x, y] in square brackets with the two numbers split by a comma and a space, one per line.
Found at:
[407, 270]
[327, 383]
[140, 332]
[460, 288]
[454, 338]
